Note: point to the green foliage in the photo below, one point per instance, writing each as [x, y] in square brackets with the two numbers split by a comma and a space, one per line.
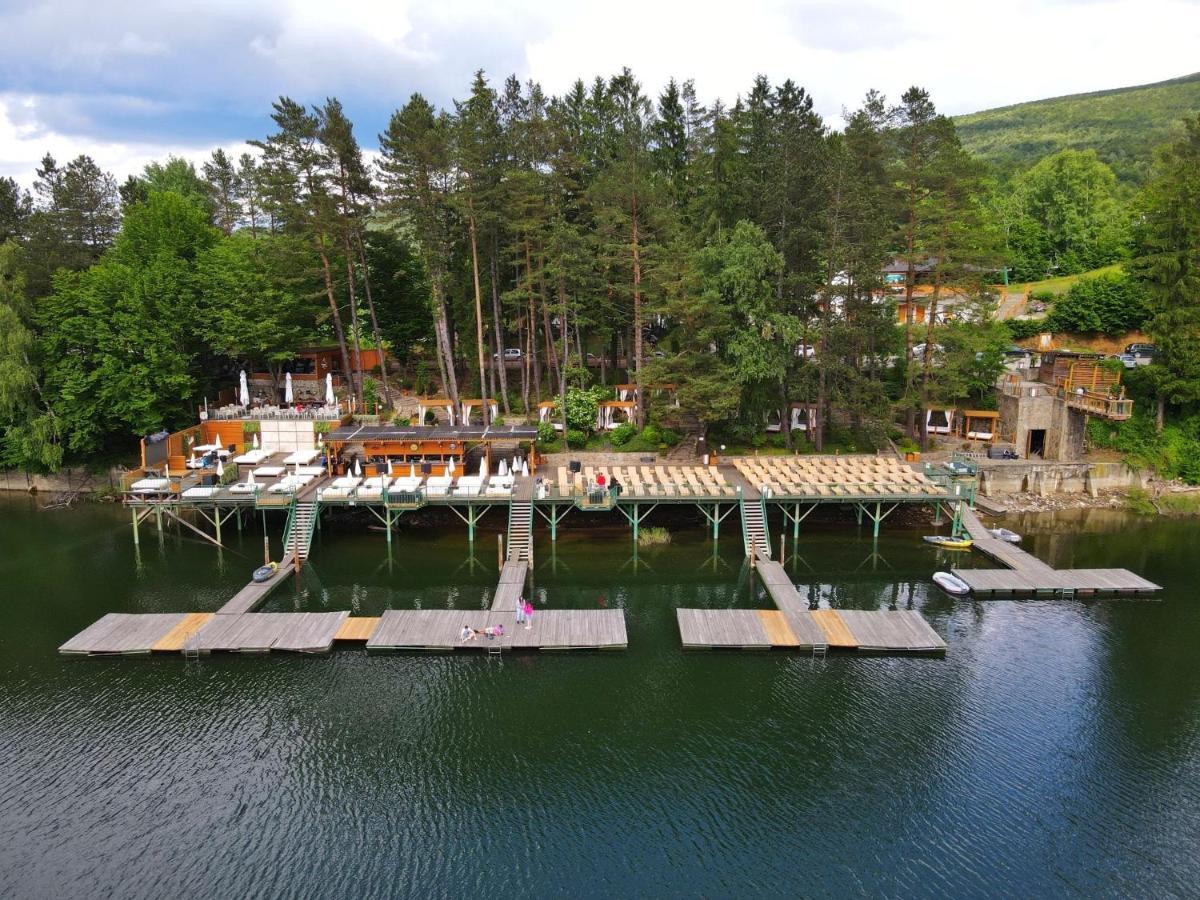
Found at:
[1105, 304]
[576, 438]
[546, 433]
[250, 428]
[1172, 453]
[1023, 329]
[370, 392]
[582, 407]
[623, 434]
[1122, 126]
[653, 536]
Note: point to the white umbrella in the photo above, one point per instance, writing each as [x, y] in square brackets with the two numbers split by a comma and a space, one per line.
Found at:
[357, 468]
[287, 388]
[166, 470]
[503, 470]
[250, 477]
[389, 467]
[412, 470]
[243, 389]
[220, 468]
[329, 398]
[525, 468]
[483, 467]
[450, 471]
[254, 441]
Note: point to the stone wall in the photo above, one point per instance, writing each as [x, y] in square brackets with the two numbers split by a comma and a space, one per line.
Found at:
[66, 481]
[1011, 477]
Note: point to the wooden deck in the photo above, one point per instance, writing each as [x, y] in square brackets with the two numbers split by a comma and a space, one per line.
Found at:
[357, 628]
[124, 633]
[253, 594]
[553, 629]
[175, 639]
[263, 632]
[1028, 575]
[795, 625]
[511, 586]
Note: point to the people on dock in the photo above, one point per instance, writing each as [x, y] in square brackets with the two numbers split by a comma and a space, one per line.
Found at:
[520, 610]
[494, 631]
[527, 613]
[468, 634]
[616, 486]
[600, 480]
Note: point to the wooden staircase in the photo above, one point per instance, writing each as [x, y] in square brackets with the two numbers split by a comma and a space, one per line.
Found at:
[754, 528]
[301, 524]
[520, 531]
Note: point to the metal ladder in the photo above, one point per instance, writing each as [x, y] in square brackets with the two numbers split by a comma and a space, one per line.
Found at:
[302, 522]
[520, 531]
[754, 528]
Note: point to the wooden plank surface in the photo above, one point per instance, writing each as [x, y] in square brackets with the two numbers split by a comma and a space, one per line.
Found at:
[441, 629]
[722, 628]
[123, 633]
[356, 628]
[177, 636]
[891, 630]
[254, 593]
[835, 630]
[775, 624]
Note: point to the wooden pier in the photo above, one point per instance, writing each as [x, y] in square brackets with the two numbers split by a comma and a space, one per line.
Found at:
[1027, 575]
[552, 629]
[794, 625]
[256, 592]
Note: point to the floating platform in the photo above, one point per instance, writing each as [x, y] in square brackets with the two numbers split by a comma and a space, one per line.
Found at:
[263, 632]
[1027, 575]
[553, 629]
[124, 634]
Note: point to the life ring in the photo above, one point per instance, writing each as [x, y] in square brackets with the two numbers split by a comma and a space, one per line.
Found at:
[265, 573]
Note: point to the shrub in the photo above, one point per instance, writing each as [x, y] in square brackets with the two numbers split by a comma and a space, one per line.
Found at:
[669, 437]
[653, 536]
[498, 421]
[623, 434]
[1105, 304]
[370, 392]
[546, 433]
[582, 406]
[576, 437]
[651, 436]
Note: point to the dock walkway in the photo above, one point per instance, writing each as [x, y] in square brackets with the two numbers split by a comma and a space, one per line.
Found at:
[1028, 575]
[253, 594]
[553, 629]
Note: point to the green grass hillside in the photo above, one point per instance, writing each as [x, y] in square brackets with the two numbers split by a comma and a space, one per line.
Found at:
[1123, 126]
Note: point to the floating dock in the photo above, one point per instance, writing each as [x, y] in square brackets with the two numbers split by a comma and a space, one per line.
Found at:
[794, 625]
[552, 629]
[1029, 576]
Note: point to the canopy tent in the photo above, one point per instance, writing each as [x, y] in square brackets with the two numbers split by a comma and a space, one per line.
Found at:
[803, 416]
[426, 405]
[671, 390]
[626, 391]
[469, 406]
[612, 413]
[939, 420]
[980, 424]
[547, 409]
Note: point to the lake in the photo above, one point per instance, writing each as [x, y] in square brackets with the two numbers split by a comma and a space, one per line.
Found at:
[1055, 750]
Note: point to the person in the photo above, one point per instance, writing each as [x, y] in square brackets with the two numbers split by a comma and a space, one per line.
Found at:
[468, 634]
[499, 631]
[617, 487]
[527, 613]
[520, 610]
[600, 480]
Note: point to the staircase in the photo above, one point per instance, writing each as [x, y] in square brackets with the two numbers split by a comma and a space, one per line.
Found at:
[301, 523]
[754, 528]
[520, 531]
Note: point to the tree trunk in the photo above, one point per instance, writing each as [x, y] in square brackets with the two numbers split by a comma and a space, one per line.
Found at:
[562, 382]
[534, 366]
[442, 333]
[499, 328]
[366, 273]
[1160, 412]
[357, 379]
[335, 315]
[521, 342]
[487, 416]
[639, 410]
[910, 275]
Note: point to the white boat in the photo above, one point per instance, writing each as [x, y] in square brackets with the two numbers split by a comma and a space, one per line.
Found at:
[1005, 535]
[950, 583]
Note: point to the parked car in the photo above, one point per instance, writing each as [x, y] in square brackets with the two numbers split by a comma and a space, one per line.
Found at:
[1141, 348]
[1128, 360]
[919, 350]
[510, 354]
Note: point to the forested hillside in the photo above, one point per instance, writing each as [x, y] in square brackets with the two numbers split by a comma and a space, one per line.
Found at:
[1123, 126]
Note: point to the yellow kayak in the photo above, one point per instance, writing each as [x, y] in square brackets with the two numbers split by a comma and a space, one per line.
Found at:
[949, 543]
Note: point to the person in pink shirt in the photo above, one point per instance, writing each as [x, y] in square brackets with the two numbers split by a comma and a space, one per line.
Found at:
[527, 609]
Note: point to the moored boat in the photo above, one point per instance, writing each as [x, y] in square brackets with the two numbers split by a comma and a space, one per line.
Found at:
[1005, 535]
[951, 583]
[264, 573]
[949, 543]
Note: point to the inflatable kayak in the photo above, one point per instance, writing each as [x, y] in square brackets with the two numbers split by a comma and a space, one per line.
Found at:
[265, 573]
[950, 583]
[949, 543]
[1005, 535]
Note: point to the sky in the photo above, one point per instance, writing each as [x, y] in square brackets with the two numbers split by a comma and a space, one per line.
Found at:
[129, 81]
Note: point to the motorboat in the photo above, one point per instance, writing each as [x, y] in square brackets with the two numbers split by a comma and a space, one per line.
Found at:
[949, 543]
[951, 583]
[1004, 534]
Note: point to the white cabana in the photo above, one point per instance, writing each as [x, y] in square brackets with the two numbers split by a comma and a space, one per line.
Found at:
[803, 417]
[287, 388]
[330, 399]
[546, 409]
[612, 413]
[469, 406]
[626, 391]
[939, 421]
[429, 404]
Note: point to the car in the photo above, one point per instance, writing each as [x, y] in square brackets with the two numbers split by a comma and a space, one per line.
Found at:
[1128, 360]
[919, 350]
[1141, 349]
[1018, 351]
[510, 354]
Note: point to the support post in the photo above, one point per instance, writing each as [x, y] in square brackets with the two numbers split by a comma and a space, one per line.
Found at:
[387, 511]
[266, 550]
[217, 522]
[878, 518]
[796, 522]
[636, 521]
[500, 550]
[135, 525]
[782, 558]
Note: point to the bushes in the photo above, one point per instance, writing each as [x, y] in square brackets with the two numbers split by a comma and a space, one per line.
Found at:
[546, 433]
[1174, 453]
[623, 434]
[1105, 304]
[576, 438]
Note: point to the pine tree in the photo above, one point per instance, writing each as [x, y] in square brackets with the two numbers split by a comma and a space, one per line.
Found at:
[224, 191]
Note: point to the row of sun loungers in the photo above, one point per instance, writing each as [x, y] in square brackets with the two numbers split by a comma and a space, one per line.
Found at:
[646, 481]
[836, 477]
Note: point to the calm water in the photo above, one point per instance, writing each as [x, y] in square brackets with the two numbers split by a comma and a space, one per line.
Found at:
[1054, 751]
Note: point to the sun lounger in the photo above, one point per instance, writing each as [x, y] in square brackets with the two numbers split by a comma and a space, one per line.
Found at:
[301, 457]
[150, 485]
[439, 485]
[269, 471]
[199, 493]
[243, 487]
[407, 484]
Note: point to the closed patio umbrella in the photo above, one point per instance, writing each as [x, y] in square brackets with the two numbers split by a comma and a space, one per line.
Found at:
[389, 467]
[329, 398]
[250, 477]
[254, 441]
[450, 470]
[243, 389]
[220, 469]
[357, 468]
[412, 470]
[503, 470]
[524, 468]
[287, 388]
